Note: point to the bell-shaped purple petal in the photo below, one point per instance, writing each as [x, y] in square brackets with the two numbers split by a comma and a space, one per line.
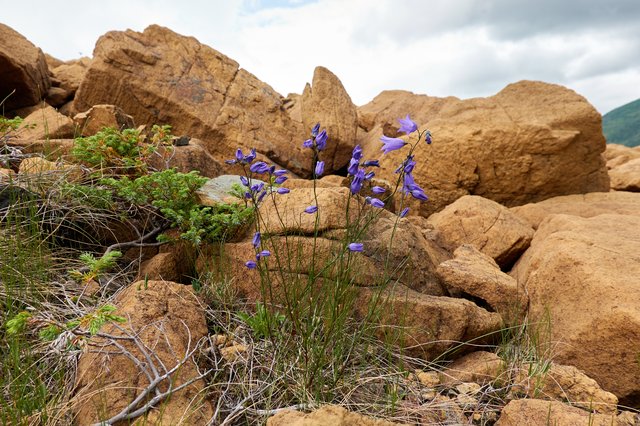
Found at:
[280, 172]
[407, 125]
[308, 143]
[250, 157]
[355, 247]
[282, 191]
[262, 195]
[239, 155]
[353, 166]
[419, 194]
[358, 180]
[311, 209]
[371, 163]
[260, 167]
[319, 168]
[257, 187]
[321, 140]
[251, 264]
[375, 202]
[230, 161]
[408, 168]
[265, 253]
[244, 181]
[427, 137]
[378, 190]
[391, 144]
[369, 176]
[404, 212]
[357, 152]
[280, 179]
[315, 130]
[256, 240]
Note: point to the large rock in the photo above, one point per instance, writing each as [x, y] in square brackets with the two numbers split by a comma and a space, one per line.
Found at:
[587, 205]
[160, 77]
[23, 68]
[484, 224]
[169, 321]
[581, 277]
[536, 412]
[46, 123]
[326, 101]
[330, 415]
[529, 142]
[69, 74]
[473, 273]
[567, 384]
[626, 177]
[98, 117]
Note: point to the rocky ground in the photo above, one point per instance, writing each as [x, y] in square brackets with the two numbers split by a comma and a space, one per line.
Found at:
[531, 231]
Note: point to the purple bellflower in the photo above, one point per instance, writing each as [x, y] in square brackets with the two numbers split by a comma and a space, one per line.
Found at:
[315, 130]
[404, 212]
[260, 167]
[358, 180]
[407, 125]
[391, 144]
[311, 209]
[319, 168]
[321, 140]
[378, 190]
[355, 247]
[256, 240]
[282, 191]
[251, 264]
[375, 202]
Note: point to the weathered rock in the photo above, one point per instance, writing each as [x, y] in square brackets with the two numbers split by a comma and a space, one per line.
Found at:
[473, 273]
[486, 225]
[330, 415]
[217, 190]
[70, 74]
[327, 102]
[536, 412]
[626, 177]
[161, 267]
[44, 168]
[23, 68]
[52, 148]
[56, 96]
[169, 321]
[616, 155]
[518, 146]
[52, 61]
[580, 277]
[478, 367]
[46, 123]
[95, 118]
[160, 77]
[432, 325]
[587, 205]
[193, 156]
[566, 384]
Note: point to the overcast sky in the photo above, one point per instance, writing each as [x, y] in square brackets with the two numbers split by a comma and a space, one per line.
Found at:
[464, 48]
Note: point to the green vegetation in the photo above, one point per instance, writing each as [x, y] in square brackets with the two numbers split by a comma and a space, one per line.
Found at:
[622, 125]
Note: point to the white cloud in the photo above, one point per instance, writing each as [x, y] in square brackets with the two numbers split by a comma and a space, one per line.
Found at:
[465, 48]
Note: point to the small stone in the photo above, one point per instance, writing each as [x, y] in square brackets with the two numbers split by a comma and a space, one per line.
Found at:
[468, 388]
[429, 379]
[231, 353]
[429, 394]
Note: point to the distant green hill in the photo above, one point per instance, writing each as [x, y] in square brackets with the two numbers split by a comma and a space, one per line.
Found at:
[622, 125]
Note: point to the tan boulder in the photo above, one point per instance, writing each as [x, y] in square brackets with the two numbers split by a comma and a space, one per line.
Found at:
[536, 412]
[473, 273]
[431, 326]
[583, 205]
[38, 166]
[515, 147]
[580, 274]
[626, 177]
[169, 321]
[70, 74]
[186, 158]
[56, 96]
[46, 123]
[97, 117]
[479, 367]
[327, 102]
[160, 77]
[23, 69]
[616, 154]
[484, 224]
[567, 384]
[330, 415]
[161, 267]
[52, 61]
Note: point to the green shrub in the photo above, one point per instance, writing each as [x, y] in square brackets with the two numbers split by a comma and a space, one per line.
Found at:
[173, 194]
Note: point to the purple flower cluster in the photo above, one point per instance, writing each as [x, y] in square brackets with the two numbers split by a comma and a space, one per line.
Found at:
[253, 264]
[318, 140]
[257, 191]
[358, 172]
[409, 186]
